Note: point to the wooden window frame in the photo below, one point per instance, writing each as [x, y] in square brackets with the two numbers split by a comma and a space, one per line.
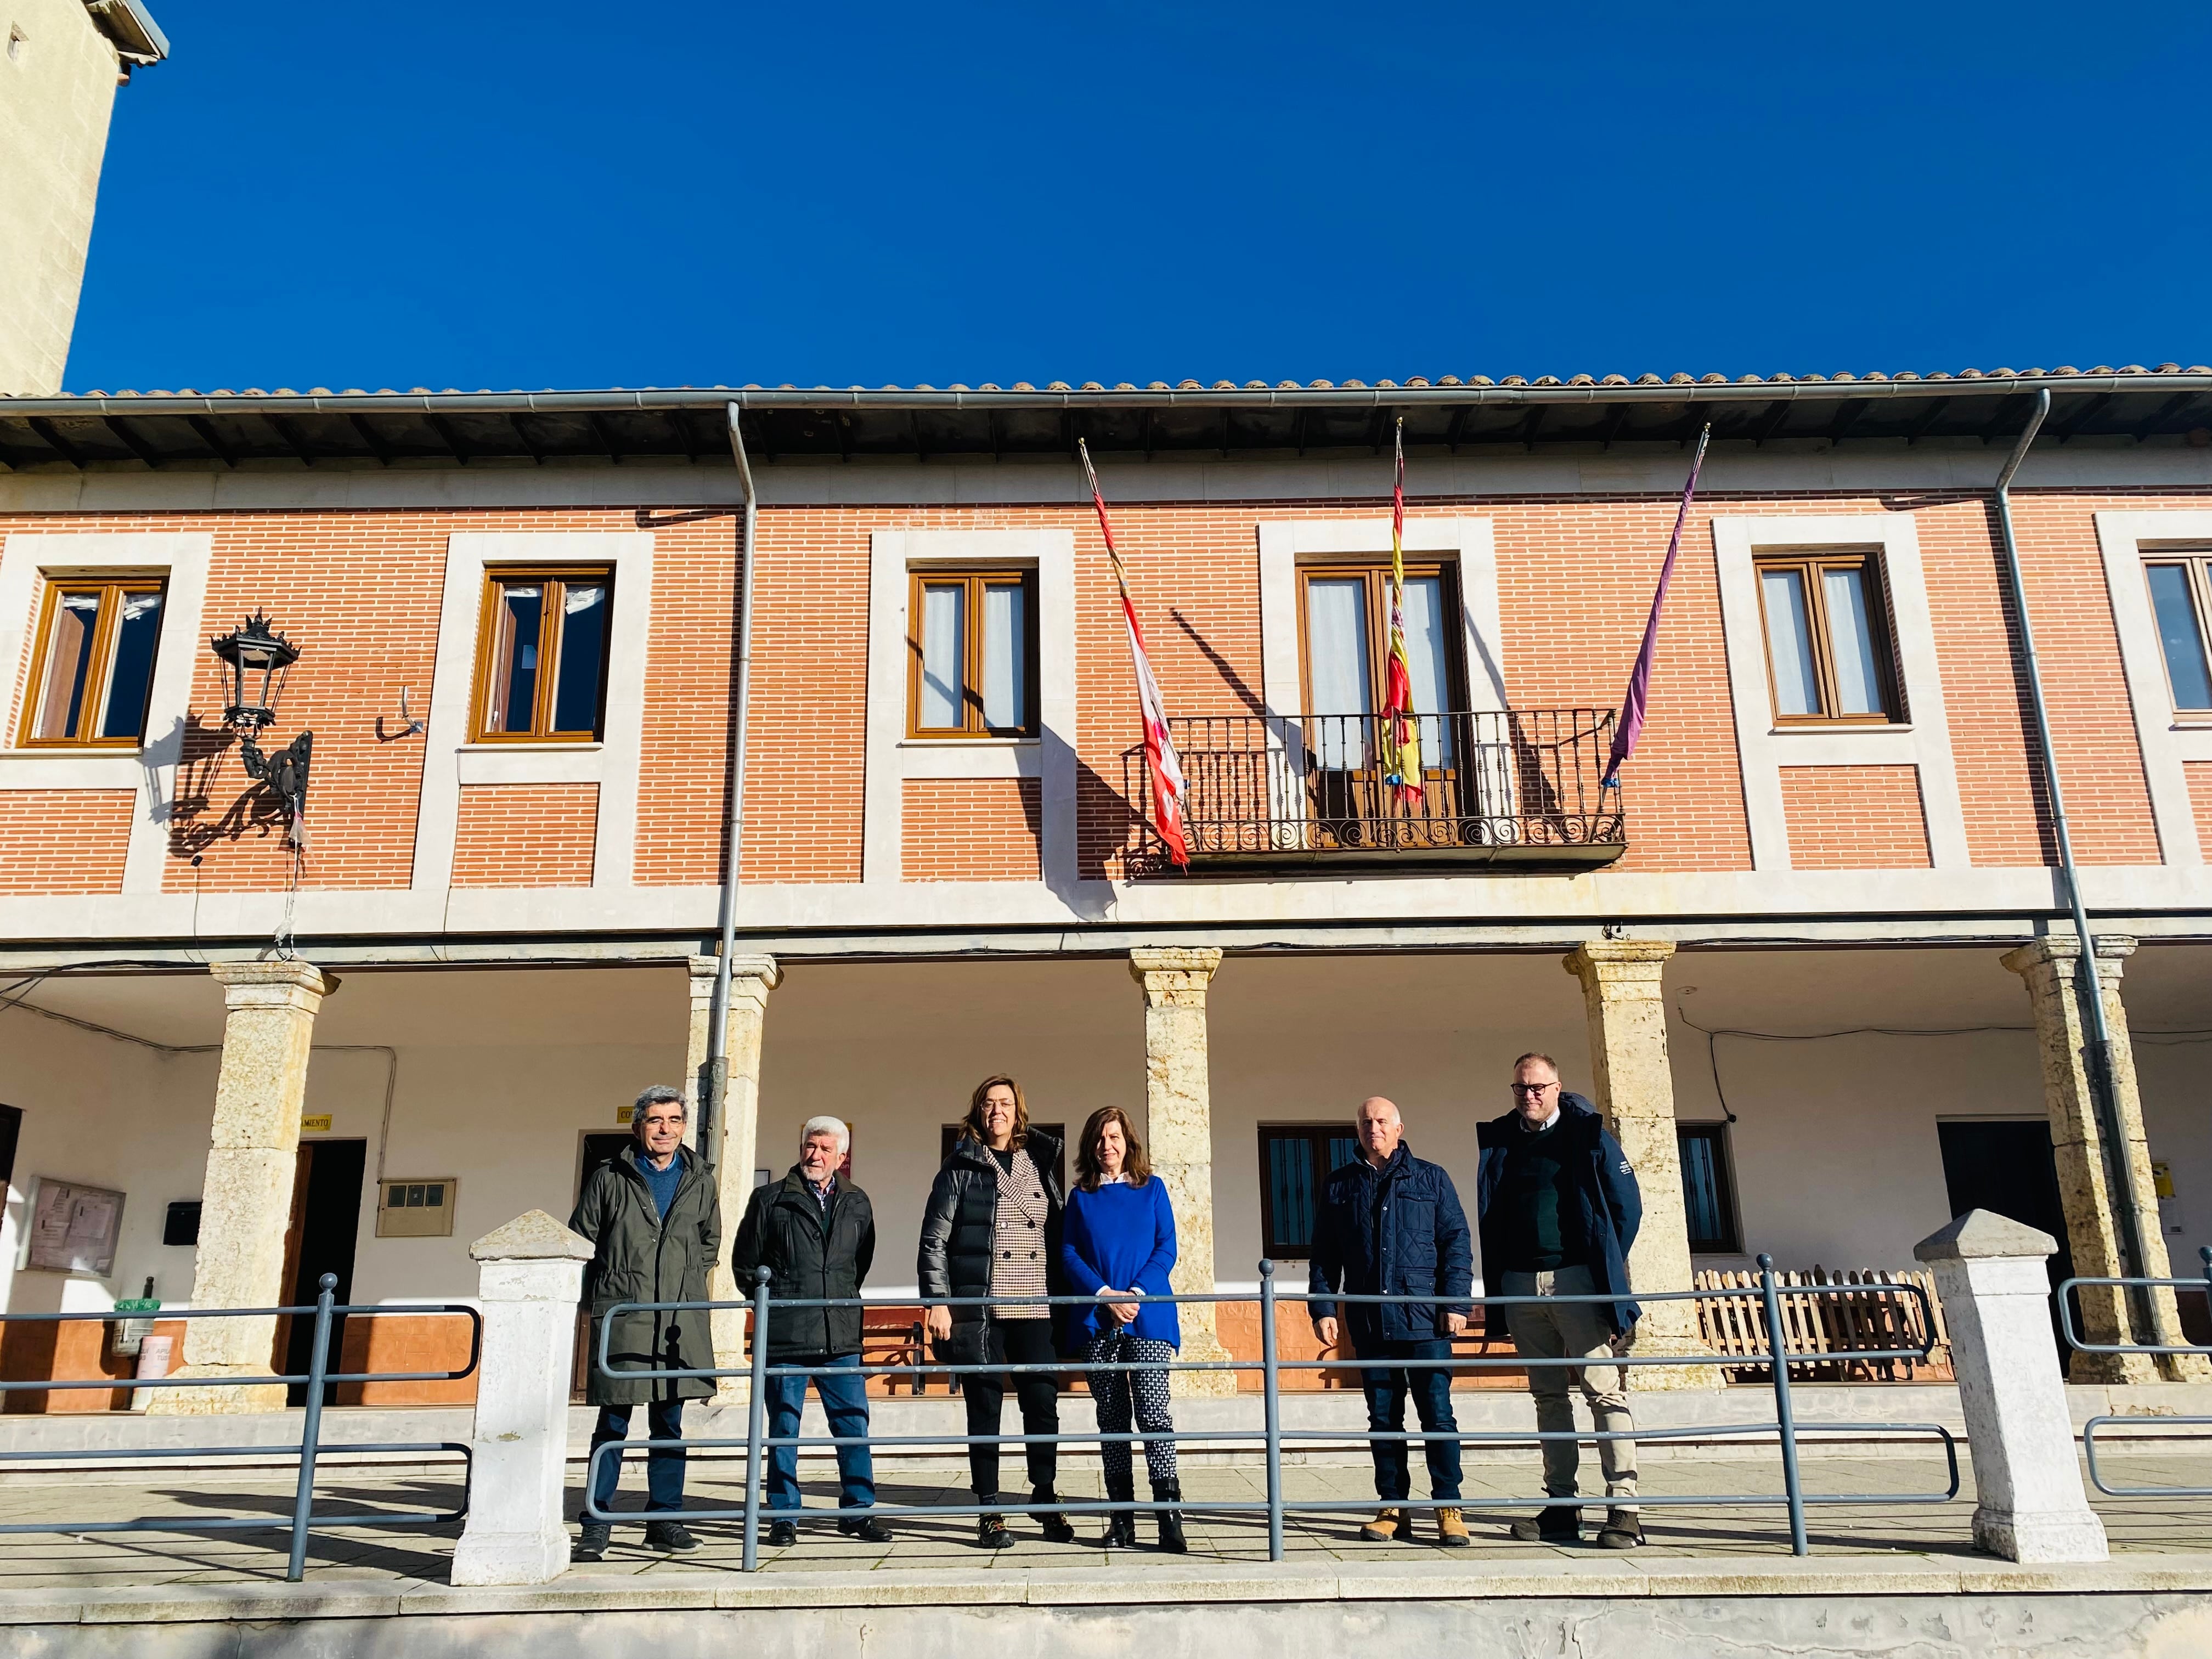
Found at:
[1730, 1242]
[975, 580]
[1811, 563]
[1378, 579]
[1316, 1135]
[2197, 562]
[555, 578]
[111, 585]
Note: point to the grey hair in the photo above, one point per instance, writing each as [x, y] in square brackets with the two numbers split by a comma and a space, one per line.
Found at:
[657, 1095]
[826, 1126]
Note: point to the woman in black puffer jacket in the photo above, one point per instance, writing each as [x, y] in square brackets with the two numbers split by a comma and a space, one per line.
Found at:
[991, 1228]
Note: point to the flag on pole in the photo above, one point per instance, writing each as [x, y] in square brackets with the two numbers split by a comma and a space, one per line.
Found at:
[1631, 725]
[1160, 758]
[1400, 735]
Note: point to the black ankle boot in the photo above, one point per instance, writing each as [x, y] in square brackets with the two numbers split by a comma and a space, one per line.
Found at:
[1121, 1524]
[1171, 1538]
[1056, 1529]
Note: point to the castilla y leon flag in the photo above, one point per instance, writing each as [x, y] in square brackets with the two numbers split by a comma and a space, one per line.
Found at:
[1400, 735]
[1160, 758]
[1639, 681]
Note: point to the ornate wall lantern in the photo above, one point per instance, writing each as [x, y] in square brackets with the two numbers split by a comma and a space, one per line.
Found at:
[256, 659]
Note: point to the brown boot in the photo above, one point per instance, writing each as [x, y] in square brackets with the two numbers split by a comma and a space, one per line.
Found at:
[1451, 1530]
[1387, 1526]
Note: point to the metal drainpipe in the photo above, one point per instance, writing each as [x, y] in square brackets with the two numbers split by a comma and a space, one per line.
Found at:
[2097, 1057]
[717, 1009]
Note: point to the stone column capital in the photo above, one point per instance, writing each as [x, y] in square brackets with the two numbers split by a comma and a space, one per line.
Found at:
[743, 965]
[2061, 951]
[1602, 964]
[1174, 977]
[298, 984]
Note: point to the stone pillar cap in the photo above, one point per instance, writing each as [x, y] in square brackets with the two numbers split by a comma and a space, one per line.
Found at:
[536, 1236]
[744, 964]
[1980, 1234]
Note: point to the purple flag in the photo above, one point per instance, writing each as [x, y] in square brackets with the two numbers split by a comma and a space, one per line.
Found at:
[1639, 681]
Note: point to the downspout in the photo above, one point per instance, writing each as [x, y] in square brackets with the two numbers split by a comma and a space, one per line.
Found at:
[2097, 1055]
[717, 1081]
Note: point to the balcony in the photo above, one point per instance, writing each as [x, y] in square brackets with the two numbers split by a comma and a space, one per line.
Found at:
[1519, 786]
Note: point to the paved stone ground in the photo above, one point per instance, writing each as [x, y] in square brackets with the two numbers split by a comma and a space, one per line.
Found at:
[47, 1560]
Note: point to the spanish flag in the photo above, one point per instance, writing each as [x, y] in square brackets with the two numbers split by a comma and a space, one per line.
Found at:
[1400, 733]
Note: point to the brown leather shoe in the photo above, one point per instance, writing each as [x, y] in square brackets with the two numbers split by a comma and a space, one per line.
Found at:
[1451, 1530]
[1387, 1526]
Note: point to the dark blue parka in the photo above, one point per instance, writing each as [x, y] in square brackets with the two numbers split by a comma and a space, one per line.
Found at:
[1399, 1230]
[1611, 1207]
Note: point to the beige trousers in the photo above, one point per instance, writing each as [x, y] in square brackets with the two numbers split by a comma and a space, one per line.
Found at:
[1572, 1330]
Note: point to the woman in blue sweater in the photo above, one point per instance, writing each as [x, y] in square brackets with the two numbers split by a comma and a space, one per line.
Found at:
[1119, 1240]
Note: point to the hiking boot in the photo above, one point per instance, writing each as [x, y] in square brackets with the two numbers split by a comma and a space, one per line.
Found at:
[1056, 1527]
[782, 1534]
[668, 1535]
[868, 1530]
[1623, 1530]
[991, 1532]
[1388, 1525]
[1451, 1530]
[1171, 1538]
[1556, 1523]
[592, 1541]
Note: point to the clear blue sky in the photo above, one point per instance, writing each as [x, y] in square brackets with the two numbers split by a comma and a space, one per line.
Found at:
[477, 193]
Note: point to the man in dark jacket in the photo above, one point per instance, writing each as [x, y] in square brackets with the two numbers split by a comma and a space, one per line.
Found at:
[1391, 1224]
[1558, 1208]
[815, 1234]
[657, 1221]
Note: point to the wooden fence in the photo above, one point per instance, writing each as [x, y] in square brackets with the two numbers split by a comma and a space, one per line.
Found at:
[1830, 1326]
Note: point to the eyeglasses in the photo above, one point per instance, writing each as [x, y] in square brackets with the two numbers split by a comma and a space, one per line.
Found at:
[1534, 1088]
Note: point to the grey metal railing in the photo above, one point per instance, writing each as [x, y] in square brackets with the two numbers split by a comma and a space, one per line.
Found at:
[1270, 1365]
[2139, 1287]
[317, 1378]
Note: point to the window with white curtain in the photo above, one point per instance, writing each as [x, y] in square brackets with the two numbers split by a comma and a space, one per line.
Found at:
[972, 650]
[1827, 639]
[1347, 643]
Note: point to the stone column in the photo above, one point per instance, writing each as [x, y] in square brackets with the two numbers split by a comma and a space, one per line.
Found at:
[1634, 1085]
[737, 1128]
[2051, 967]
[245, 1201]
[1178, 1135]
[1991, 1274]
[530, 1278]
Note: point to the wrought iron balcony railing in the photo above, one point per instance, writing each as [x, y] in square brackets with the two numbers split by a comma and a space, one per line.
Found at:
[1521, 786]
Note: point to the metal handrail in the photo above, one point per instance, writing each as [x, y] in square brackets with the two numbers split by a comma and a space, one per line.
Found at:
[1270, 1365]
[2073, 1340]
[317, 1378]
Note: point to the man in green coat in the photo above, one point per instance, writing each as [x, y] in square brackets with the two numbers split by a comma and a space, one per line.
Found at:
[655, 1217]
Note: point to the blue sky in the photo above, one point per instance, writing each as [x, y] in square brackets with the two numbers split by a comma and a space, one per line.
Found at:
[489, 194]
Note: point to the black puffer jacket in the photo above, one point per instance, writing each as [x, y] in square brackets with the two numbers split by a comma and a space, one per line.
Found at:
[782, 1232]
[958, 1224]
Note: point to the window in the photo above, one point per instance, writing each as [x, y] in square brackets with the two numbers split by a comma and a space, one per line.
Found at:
[1707, 1188]
[544, 655]
[971, 653]
[1346, 614]
[1295, 1159]
[93, 669]
[1828, 638]
[2179, 590]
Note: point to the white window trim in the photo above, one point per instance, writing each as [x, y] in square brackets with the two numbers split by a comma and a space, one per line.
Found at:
[612, 763]
[2128, 541]
[1766, 748]
[185, 555]
[893, 556]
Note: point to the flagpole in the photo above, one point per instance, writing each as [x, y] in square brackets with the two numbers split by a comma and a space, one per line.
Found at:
[1633, 704]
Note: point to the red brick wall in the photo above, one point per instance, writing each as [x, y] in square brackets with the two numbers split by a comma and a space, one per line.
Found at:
[65, 841]
[526, 834]
[2199, 773]
[689, 656]
[973, 829]
[1854, 818]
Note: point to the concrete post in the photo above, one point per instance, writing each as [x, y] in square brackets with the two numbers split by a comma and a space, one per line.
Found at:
[737, 1128]
[1634, 1083]
[245, 1200]
[1178, 1135]
[529, 1280]
[1995, 1292]
[2050, 967]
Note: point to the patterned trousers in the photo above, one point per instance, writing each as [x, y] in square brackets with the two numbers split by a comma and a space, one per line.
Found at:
[1113, 1393]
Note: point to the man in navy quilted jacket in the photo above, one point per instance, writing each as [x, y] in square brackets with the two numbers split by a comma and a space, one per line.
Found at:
[1391, 1224]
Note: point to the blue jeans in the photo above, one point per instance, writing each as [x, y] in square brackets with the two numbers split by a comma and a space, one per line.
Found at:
[664, 1466]
[845, 1403]
[1386, 1393]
